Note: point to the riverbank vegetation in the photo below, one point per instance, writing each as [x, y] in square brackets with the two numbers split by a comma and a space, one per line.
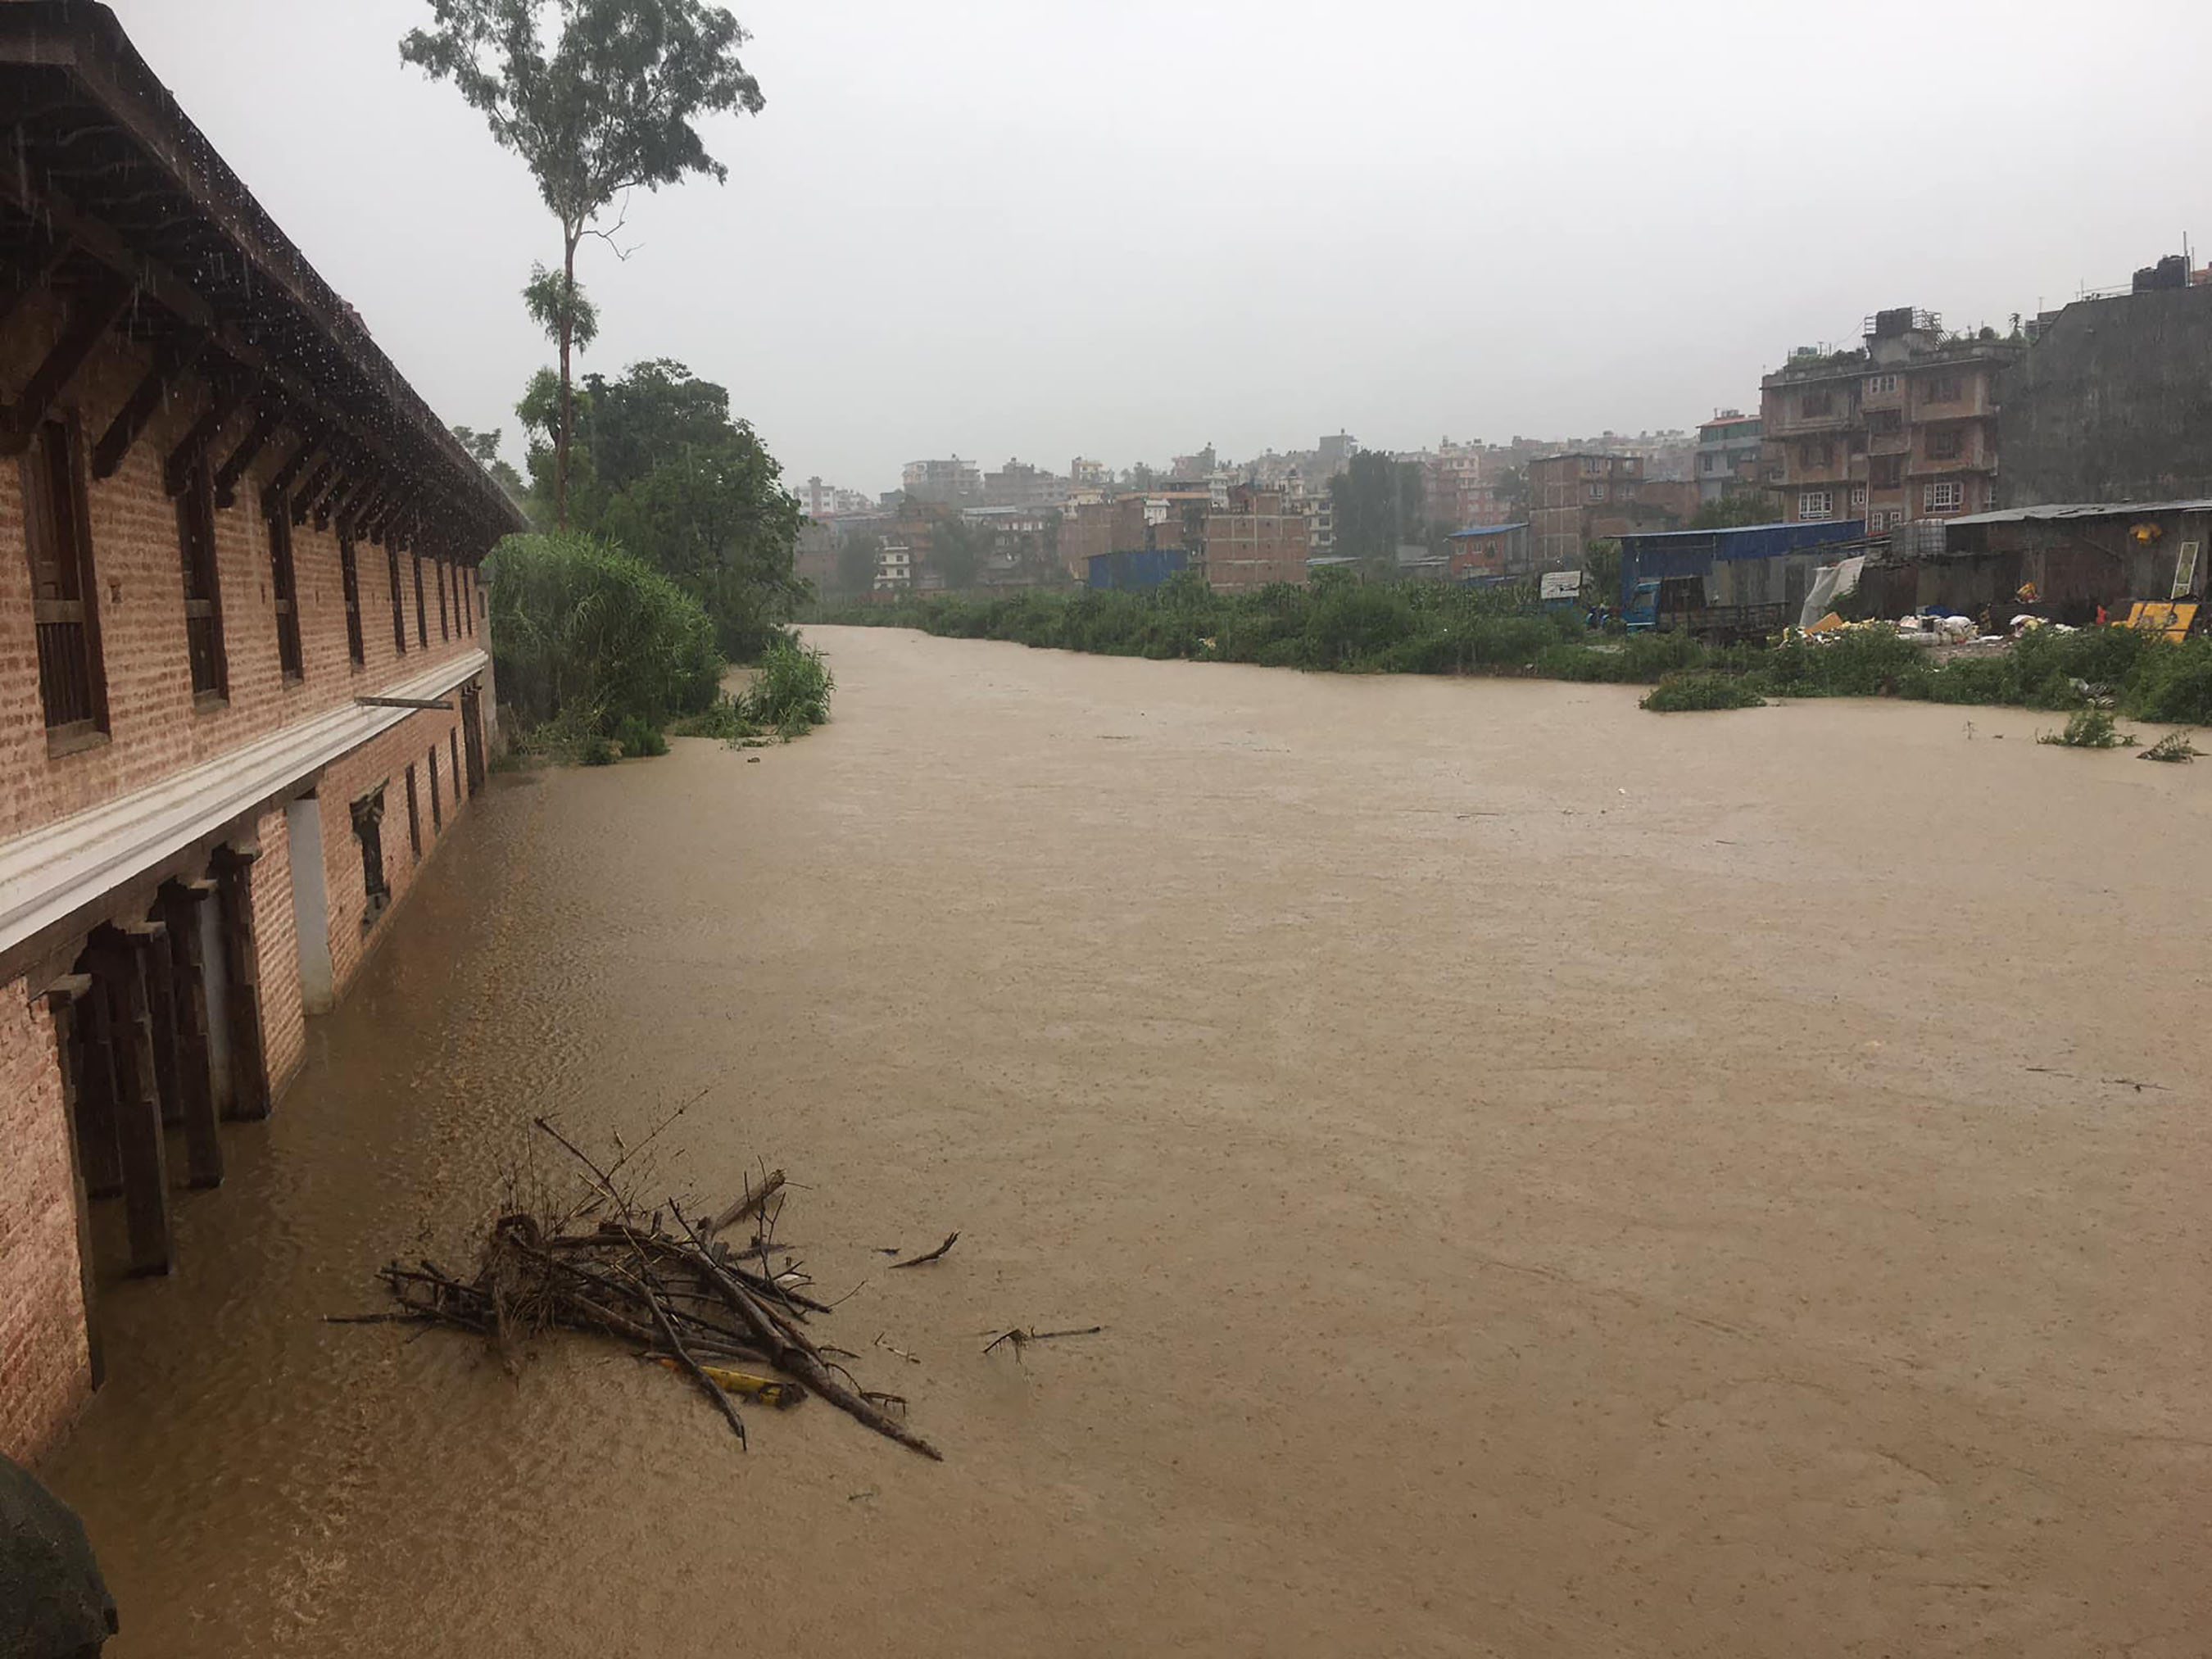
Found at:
[1340, 624]
[597, 653]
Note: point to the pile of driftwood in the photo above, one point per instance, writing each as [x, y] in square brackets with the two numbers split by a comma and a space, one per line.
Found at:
[670, 1284]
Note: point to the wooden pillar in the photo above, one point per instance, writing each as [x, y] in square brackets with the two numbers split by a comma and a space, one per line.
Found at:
[124, 962]
[93, 1026]
[195, 1078]
[249, 1056]
[65, 997]
[161, 1005]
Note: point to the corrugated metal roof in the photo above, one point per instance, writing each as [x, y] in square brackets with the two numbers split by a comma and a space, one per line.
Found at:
[2084, 510]
[1487, 530]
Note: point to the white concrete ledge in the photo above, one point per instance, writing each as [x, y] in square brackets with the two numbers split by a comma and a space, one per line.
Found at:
[58, 866]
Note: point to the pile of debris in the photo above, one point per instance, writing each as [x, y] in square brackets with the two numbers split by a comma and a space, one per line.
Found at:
[669, 1284]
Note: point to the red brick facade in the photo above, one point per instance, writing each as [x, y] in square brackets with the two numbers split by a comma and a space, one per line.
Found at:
[169, 817]
[153, 727]
[45, 1367]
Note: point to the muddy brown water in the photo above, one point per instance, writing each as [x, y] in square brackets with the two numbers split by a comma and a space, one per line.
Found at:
[1557, 1180]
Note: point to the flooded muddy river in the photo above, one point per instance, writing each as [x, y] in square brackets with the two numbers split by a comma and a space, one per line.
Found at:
[1557, 1181]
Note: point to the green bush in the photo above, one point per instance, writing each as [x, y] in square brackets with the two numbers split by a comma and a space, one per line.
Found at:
[588, 638]
[596, 750]
[638, 739]
[792, 693]
[725, 720]
[2172, 683]
[1682, 693]
[2090, 728]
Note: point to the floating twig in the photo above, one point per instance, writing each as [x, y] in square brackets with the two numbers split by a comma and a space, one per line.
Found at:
[937, 1255]
[1021, 1339]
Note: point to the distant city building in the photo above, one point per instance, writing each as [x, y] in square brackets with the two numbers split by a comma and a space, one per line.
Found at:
[895, 568]
[1495, 550]
[1152, 521]
[1581, 497]
[1082, 472]
[2110, 401]
[1728, 455]
[1018, 483]
[1904, 429]
[954, 482]
[1334, 454]
[1257, 540]
[820, 501]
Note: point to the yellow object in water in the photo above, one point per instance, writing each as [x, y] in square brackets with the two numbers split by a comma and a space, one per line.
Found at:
[765, 1390]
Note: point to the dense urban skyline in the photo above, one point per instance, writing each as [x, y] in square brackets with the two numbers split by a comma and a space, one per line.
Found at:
[997, 232]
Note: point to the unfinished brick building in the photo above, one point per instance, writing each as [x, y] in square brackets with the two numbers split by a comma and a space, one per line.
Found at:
[243, 676]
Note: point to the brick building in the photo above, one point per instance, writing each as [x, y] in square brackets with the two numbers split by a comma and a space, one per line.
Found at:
[1905, 428]
[243, 674]
[1494, 551]
[1259, 539]
[1154, 522]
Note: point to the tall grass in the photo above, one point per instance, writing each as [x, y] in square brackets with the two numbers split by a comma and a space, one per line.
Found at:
[792, 692]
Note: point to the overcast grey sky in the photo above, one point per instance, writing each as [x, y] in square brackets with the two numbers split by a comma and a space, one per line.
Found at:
[1025, 227]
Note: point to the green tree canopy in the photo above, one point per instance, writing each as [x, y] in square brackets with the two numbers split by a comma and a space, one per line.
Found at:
[658, 408]
[483, 449]
[1377, 504]
[957, 548]
[715, 518]
[610, 106]
[857, 558]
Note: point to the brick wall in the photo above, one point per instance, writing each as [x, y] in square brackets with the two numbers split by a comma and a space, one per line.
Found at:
[384, 761]
[283, 1022]
[45, 1369]
[154, 727]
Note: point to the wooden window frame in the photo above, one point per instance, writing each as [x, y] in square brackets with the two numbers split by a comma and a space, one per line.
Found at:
[55, 446]
[284, 597]
[196, 530]
[367, 814]
[349, 588]
[398, 601]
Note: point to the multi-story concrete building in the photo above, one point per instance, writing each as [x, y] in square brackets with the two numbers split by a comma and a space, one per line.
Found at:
[954, 482]
[895, 566]
[1259, 539]
[245, 680]
[1906, 428]
[1728, 455]
[1018, 483]
[1084, 473]
[822, 501]
[2112, 399]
